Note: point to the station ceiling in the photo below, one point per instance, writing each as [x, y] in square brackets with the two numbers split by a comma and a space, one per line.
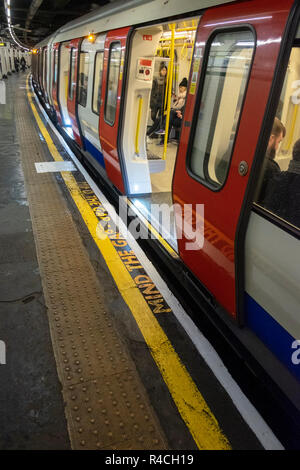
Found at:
[41, 17]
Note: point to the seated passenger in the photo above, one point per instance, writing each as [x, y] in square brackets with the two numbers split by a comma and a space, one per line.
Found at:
[176, 112]
[271, 166]
[283, 198]
[179, 101]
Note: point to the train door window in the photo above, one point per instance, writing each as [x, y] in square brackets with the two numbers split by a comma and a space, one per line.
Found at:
[55, 66]
[112, 82]
[98, 71]
[64, 60]
[45, 69]
[40, 59]
[278, 189]
[226, 75]
[83, 77]
[72, 73]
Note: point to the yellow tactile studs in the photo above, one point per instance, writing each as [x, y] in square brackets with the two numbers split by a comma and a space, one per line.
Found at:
[111, 412]
[106, 404]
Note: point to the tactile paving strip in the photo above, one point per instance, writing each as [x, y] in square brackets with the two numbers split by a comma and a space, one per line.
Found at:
[106, 404]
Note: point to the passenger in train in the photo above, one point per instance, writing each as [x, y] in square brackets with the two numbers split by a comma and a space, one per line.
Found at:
[157, 99]
[176, 112]
[271, 166]
[283, 198]
[179, 101]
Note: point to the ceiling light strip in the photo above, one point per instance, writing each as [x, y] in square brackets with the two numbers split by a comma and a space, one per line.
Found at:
[10, 27]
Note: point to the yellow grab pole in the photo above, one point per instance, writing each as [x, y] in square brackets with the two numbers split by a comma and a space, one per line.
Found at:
[189, 44]
[172, 26]
[170, 39]
[166, 91]
[138, 125]
[190, 28]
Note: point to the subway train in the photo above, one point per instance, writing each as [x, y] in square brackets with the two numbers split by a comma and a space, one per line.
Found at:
[224, 161]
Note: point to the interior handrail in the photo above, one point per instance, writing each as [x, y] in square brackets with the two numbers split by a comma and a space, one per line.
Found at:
[138, 125]
[172, 27]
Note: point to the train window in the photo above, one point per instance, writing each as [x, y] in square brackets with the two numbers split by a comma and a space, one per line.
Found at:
[84, 62]
[45, 69]
[72, 73]
[226, 75]
[55, 66]
[40, 64]
[279, 184]
[98, 70]
[112, 82]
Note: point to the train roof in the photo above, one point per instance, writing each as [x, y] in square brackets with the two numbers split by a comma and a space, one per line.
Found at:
[120, 14]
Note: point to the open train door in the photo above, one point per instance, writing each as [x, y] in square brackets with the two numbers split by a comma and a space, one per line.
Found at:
[114, 53]
[231, 76]
[72, 105]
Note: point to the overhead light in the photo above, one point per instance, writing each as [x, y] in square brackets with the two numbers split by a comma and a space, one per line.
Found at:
[91, 37]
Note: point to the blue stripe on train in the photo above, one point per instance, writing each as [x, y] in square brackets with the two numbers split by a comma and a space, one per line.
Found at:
[278, 340]
[94, 151]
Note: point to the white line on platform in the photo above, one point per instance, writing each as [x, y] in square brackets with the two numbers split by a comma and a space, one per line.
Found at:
[51, 167]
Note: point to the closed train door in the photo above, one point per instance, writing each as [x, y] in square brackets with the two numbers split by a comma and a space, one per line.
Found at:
[114, 53]
[89, 94]
[45, 72]
[73, 89]
[234, 60]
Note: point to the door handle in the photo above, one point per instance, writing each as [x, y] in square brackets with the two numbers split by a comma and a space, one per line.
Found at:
[243, 168]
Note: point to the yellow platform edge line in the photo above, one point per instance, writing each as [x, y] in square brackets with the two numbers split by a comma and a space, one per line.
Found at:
[191, 405]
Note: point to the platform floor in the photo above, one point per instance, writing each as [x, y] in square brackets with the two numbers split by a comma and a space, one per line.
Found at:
[95, 357]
